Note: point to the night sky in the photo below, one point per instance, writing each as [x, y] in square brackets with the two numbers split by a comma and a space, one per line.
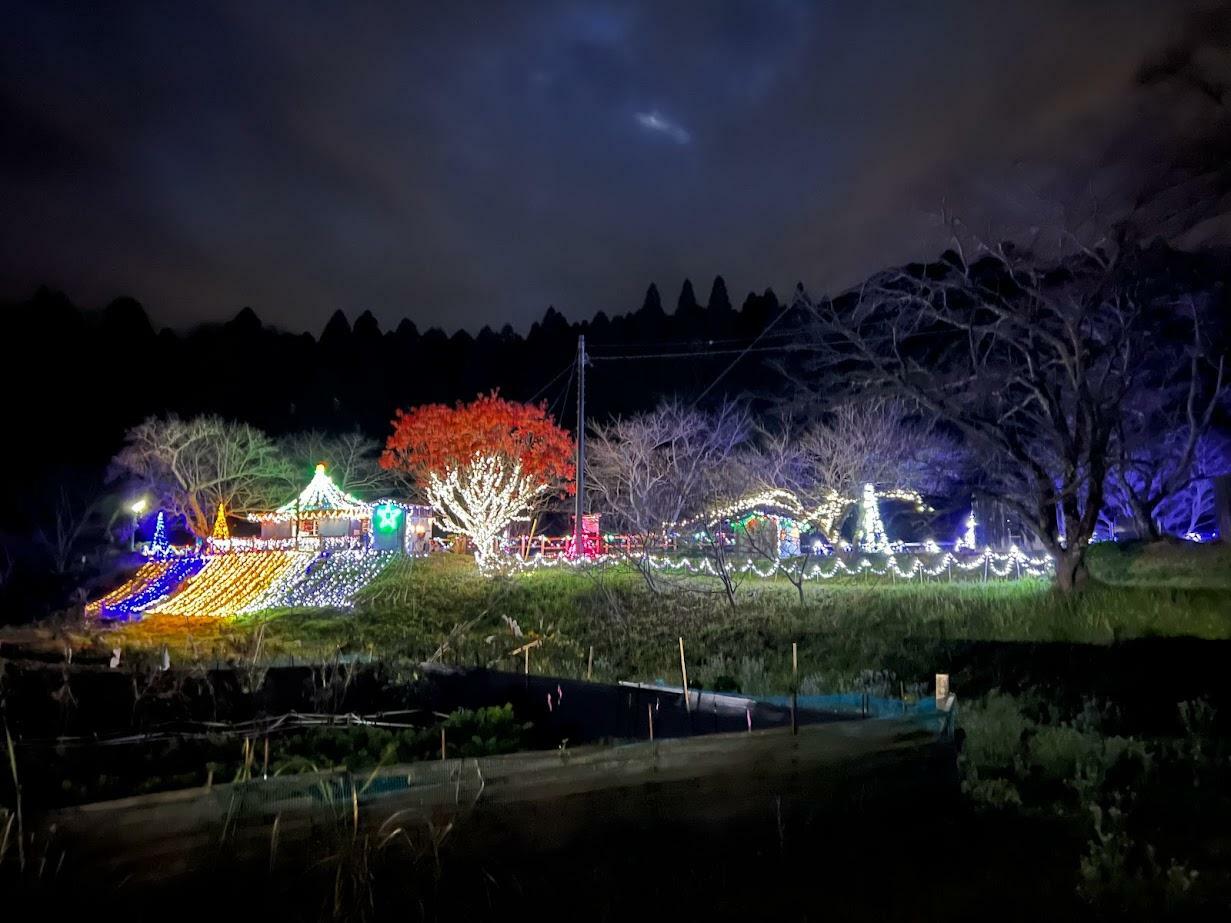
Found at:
[471, 163]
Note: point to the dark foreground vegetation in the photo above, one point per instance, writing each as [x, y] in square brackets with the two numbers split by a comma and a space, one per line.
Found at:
[1094, 759]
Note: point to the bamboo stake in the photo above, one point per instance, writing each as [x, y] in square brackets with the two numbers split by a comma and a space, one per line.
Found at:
[442, 742]
[649, 710]
[794, 687]
[525, 650]
[21, 829]
[590, 664]
[684, 674]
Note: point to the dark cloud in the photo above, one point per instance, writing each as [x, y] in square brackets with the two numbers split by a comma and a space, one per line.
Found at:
[471, 163]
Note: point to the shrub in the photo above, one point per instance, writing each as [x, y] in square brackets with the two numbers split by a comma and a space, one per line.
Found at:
[995, 732]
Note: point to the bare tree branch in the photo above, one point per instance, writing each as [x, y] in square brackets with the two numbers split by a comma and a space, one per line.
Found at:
[193, 465]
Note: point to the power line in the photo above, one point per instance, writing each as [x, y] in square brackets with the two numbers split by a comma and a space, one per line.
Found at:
[562, 398]
[722, 374]
[702, 352]
[689, 341]
[554, 379]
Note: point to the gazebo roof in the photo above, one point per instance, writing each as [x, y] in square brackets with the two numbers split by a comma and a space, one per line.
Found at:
[321, 499]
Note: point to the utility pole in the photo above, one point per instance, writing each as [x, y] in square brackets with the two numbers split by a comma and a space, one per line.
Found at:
[580, 475]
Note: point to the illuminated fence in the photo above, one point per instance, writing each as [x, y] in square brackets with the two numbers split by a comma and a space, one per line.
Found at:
[551, 546]
[1010, 565]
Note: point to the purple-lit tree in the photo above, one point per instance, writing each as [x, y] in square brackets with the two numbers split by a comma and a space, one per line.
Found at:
[1162, 438]
[1033, 364]
[1191, 507]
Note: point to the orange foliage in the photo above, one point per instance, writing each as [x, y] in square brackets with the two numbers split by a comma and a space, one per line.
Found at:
[435, 437]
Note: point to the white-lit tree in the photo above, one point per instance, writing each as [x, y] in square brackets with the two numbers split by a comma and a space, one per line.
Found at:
[481, 465]
[871, 531]
[482, 498]
[969, 538]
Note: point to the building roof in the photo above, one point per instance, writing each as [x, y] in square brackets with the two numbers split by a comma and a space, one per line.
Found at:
[321, 499]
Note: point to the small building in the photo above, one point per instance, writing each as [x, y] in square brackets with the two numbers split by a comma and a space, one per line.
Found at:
[398, 526]
[591, 537]
[770, 524]
[771, 535]
[322, 513]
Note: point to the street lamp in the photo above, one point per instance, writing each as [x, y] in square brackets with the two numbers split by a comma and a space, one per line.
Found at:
[138, 507]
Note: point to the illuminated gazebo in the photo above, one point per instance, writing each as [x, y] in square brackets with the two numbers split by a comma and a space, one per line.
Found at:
[321, 511]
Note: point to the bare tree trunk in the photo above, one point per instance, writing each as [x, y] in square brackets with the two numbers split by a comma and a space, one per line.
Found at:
[800, 575]
[645, 568]
[723, 567]
[1222, 506]
[1144, 524]
[1071, 573]
[534, 525]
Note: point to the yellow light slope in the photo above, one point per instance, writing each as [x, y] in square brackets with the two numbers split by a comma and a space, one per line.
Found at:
[229, 582]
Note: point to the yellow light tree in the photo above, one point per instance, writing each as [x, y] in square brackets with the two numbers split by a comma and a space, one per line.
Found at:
[221, 532]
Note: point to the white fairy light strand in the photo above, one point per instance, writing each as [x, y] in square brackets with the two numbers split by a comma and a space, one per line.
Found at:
[1013, 563]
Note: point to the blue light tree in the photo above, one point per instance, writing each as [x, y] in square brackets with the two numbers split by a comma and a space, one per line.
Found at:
[160, 544]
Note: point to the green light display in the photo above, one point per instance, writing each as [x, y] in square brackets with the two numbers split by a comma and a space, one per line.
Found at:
[386, 518]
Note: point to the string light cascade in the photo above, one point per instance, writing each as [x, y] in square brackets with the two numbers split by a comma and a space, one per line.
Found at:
[155, 590]
[330, 580]
[228, 583]
[146, 573]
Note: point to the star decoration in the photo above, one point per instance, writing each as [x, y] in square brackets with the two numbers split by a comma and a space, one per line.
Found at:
[387, 517]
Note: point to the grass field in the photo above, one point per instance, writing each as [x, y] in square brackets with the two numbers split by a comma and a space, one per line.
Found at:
[442, 609]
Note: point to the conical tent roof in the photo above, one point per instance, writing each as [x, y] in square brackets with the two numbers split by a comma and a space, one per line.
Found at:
[321, 499]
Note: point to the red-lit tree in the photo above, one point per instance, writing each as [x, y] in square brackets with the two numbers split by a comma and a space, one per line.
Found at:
[482, 464]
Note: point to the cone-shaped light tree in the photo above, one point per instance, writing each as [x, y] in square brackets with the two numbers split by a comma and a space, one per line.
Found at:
[160, 543]
[222, 531]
